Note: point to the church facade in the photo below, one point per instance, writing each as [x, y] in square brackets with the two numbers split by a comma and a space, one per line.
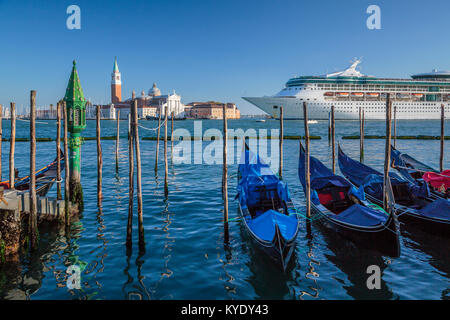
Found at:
[149, 104]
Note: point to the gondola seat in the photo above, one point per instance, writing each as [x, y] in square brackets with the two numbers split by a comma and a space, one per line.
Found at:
[335, 198]
[401, 194]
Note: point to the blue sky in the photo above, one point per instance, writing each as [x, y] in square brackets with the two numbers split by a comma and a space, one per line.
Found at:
[210, 50]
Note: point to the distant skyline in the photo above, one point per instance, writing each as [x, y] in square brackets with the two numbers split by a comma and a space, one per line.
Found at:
[210, 50]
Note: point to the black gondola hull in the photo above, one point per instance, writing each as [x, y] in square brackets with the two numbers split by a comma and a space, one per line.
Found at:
[428, 224]
[279, 250]
[383, 239]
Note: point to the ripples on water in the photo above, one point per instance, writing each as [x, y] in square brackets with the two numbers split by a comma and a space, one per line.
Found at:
[185, 256]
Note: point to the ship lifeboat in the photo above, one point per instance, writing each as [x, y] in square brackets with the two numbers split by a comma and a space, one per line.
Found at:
[418, 95]
[372, 94]
[342, 94]
[357, 94]
[328, 94]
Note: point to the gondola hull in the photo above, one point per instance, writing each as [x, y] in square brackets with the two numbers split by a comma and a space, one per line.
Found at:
[406, 215]
[383, 238]
[279, 250]
[403, 163]
[380, 234]
[413, 218]
[45, 178]
[266, 209]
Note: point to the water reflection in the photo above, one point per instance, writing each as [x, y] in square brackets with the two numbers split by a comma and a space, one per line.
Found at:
[435, 247]
[312, 275]
[56, 248]
[353, 261]
[266, 278]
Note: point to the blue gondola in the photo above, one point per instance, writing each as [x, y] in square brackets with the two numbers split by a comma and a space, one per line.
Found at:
[339, 206]
[266, 208]
[413, 170]
[413, 203]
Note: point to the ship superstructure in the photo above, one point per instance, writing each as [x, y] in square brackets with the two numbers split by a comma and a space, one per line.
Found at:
[417, 98]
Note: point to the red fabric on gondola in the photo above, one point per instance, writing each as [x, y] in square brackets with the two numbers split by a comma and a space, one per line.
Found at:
[325, 198]
[438, 181]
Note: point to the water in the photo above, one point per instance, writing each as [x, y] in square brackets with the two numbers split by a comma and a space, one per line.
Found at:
[185, 256]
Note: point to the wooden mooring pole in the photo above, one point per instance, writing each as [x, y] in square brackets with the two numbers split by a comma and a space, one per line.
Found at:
[1, 137]
[361, 135]
[387, 154]
[66, 166]
[117, 139]
[395, 126]
[129, 240]
[171, 136]
[99, 158]
[58, 151]
[280, 172]
[157, 139]
[33, 199]
[138, 174]
[307, 173]
[329, 128]
[166, 167]
[441, 158]
[333, 141]
[225, 175]
[12, 145]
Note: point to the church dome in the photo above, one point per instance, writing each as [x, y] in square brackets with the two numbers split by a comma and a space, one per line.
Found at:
[154, 91]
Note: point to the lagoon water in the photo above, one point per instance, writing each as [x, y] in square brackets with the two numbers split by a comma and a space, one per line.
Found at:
[185, 255]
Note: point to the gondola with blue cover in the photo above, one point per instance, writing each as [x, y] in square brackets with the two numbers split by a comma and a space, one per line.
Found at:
[413, 203]
[266, 208]
[339, 206]
[413, 171]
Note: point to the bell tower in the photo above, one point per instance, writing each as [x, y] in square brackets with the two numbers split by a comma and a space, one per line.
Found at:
[116, 84]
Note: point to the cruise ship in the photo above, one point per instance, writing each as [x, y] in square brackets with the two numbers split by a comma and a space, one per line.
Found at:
[417, 98]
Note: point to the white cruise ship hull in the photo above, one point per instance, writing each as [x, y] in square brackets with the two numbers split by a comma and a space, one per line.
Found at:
[347, 110]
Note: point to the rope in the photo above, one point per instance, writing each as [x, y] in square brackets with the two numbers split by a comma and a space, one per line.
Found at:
[377, 207]
[152, 129]
[29, 121]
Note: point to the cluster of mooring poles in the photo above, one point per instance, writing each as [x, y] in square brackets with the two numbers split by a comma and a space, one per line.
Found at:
[134, 149]
[31, 233]
[134, 161]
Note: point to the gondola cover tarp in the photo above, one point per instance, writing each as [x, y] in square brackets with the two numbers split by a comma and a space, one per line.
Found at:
[264, 225]
[362, 216]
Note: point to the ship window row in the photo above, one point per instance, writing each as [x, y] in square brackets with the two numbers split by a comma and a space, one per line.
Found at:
[380, 87]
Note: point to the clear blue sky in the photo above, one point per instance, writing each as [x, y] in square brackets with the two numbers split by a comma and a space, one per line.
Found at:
[211, 50]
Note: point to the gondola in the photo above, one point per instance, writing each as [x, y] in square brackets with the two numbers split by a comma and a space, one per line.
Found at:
[266, 208]
[412, 201]
[339, 206]
[414, 171]
[45, 178]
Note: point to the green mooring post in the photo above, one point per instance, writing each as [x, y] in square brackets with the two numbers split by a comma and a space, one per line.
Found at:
[76, 116]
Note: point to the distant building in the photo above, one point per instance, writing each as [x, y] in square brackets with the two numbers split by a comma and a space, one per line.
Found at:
[149, 105]
[116, 84]
[211, 110]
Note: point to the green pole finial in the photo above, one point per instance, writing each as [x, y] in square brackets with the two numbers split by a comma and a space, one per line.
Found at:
[76, 116]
